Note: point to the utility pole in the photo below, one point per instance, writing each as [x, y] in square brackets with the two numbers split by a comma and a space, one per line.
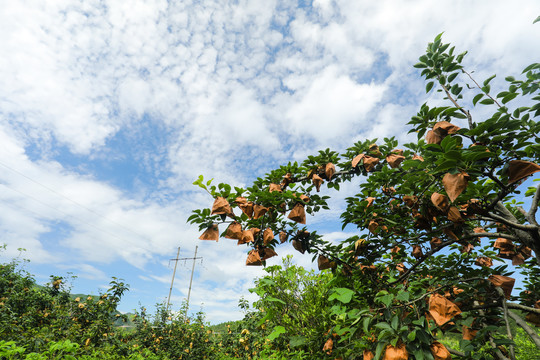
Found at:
[174, 272]
[172, 281]
[191, 280]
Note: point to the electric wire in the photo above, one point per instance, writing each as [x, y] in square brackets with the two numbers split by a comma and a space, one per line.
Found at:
[71, 200]
[66, 214]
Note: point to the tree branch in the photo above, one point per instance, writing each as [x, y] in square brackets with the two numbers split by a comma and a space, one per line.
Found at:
[491, 235]
[508, 304]
[416, 264]
[505, 316]
[531, 215]
[503, 220]
[455, 352]
[532, 334]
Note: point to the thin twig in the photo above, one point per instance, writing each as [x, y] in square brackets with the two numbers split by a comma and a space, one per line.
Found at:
[479, 87]
[505, 316]
[455, 352]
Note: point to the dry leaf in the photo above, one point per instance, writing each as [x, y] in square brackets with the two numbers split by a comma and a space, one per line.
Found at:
[518, 259]
[479, 230]
[328, 345]
[298, 214]
[417, 157]
[374, 150]
[433, 138]
[506, 247]
[441, 309]
[297, 244]
[287, 179]
[454, 215]
[359, 246]
[435, 242]
[410, 200]
[468, 333]
[368, 355]
[268, 236]
[519, 169]
[324, 263]
[440, 201]
[504, 282]
[247, 237]
[266, 253]
[282, 236]
[258, 211]
[247, 208]
[396, 353]
[221, 206]
[373, 226]
[394, 160]
[329, 170]
[484, 261]
[467, 248]
[534, 318]
[370, 201]
[253, 258]
[401, 268]
[443, 128]
[234, 231]
[370, 162]
[454, 184]
[317, 181]
[357, 159]
[274, 187]
[451, 234]
[417, 252]
[304, 198]
[212, 233]
[439, 351]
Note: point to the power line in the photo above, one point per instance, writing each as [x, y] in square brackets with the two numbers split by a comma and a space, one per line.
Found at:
[71, 200]
[66, 214]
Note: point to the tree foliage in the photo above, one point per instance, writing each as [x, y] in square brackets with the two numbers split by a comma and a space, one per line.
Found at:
[438, 219]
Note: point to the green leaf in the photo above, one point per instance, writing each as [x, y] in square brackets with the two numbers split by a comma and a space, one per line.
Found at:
[429, 86]
[297, 341]
[476, 98]
[411, 336]
[270, 298]
[378, 352]
[420, 65]
[486, 102]
[342, 294]
[536, 20]
[384, 326]
[278, 330]
[486, 82]
[365, 324]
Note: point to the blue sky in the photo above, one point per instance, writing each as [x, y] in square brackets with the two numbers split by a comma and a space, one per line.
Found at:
[109, 110]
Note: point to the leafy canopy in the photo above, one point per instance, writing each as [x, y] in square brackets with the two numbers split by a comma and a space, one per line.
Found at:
[438, 220]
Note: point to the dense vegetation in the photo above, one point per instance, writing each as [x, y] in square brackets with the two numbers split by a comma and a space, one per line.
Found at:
[293, 315]
[441, 224]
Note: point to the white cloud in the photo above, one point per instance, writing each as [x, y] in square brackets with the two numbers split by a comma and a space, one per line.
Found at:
[332, 106]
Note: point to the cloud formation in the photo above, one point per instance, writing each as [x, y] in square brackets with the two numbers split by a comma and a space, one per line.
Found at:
[109, 111]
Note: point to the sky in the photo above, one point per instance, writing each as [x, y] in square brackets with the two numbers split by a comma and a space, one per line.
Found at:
[109, 110]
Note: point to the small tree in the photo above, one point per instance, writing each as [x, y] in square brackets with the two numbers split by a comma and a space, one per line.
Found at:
[438, 221]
